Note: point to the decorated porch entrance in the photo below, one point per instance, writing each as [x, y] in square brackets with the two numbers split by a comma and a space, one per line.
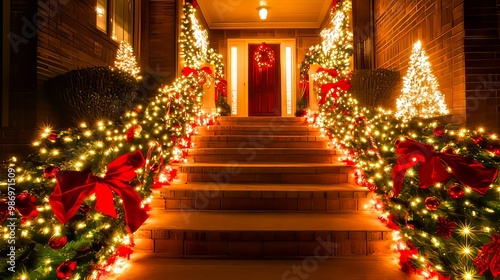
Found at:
[261, 77]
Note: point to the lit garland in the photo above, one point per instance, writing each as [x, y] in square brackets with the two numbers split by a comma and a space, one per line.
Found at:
[264, 56]
[335, 49]
[420, 96]
[125, 60]
[92, 244]
[445, 227]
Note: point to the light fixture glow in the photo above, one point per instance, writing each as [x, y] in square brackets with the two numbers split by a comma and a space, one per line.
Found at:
[262, 13]
[100, 11]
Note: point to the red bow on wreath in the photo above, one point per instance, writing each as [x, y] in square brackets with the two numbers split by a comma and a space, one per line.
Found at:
[333, 87]
[74, 186]
[431, 170]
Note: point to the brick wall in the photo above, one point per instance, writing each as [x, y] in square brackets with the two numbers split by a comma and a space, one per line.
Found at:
[58, 36]
[15, 138]
[482, 62]
[68, 39]
[440, 27]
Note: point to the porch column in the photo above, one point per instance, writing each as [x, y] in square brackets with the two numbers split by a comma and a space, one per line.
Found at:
[208, 98]
[313, 95]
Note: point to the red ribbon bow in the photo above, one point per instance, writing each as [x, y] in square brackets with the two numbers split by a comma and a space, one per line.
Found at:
[333, 87]
[331, 72]
[188, 70]
[431, 170]
[221, 88]
[74, 186]
[483, 261]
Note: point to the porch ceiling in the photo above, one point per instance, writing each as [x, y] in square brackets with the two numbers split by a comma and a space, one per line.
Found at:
[243, 14]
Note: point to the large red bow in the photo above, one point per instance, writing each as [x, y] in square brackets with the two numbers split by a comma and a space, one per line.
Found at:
[333, 87]
[74, 186]
[221, 88]
[331, 72]
[483, 261]
[188, 70]
[431, 171]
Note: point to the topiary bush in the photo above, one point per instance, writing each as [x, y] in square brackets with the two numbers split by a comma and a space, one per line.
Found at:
[94, 94]
[376, 88]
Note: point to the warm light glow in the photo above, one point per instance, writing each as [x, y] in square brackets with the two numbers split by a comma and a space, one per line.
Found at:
[420, 96]
[263, 13]
[125, 60]
[100, 11]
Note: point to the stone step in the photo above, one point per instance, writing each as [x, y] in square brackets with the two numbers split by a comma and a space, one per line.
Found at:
[270, 173]
[263, 141]
[259, 130]
[258, 235]
[158, 265]
[219, 155]
[259, 121]
[269, 197]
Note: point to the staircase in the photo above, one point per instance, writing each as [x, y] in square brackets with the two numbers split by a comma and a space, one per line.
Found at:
[263, 188]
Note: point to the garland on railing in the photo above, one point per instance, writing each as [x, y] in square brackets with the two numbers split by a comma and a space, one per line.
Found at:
[59, 216]
[435, 184]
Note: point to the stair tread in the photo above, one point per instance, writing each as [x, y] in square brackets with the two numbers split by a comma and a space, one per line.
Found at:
[263, 221]
[239, 137]
[158, 266]
[266, 187]
[261, 164]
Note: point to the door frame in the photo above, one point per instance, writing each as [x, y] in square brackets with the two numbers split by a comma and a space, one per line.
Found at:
[237, 74]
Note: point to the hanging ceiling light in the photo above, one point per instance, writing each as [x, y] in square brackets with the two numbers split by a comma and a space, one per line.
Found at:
[262, 12]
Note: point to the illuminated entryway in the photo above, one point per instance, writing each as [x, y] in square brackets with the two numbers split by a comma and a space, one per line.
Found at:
[242, 83]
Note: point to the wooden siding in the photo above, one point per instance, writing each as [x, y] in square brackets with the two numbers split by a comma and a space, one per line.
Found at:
[161, 41]
[440, 27]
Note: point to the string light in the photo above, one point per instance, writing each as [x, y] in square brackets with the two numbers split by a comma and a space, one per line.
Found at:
[420, 95]
[125, 60]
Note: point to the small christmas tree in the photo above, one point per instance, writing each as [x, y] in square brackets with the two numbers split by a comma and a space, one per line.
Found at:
[125, 60]
[420, 95]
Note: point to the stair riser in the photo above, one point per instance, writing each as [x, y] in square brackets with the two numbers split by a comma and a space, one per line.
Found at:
[263, 204]
[270, 178]
[260, 144]
[258, 130]
[261, 121]
[252, 157]
[262, 244]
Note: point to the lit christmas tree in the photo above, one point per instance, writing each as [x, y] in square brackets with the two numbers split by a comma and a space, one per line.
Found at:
[420, 95]
[336, 39]
[87, 188]
[333, 53]
[125, 60]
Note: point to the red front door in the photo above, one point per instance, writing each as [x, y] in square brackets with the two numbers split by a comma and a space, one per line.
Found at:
[264, 89]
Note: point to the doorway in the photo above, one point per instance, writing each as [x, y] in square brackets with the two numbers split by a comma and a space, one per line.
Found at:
[265, 91]
[264, 80]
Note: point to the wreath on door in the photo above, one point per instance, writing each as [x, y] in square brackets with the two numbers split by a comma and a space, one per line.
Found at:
[264, 56]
